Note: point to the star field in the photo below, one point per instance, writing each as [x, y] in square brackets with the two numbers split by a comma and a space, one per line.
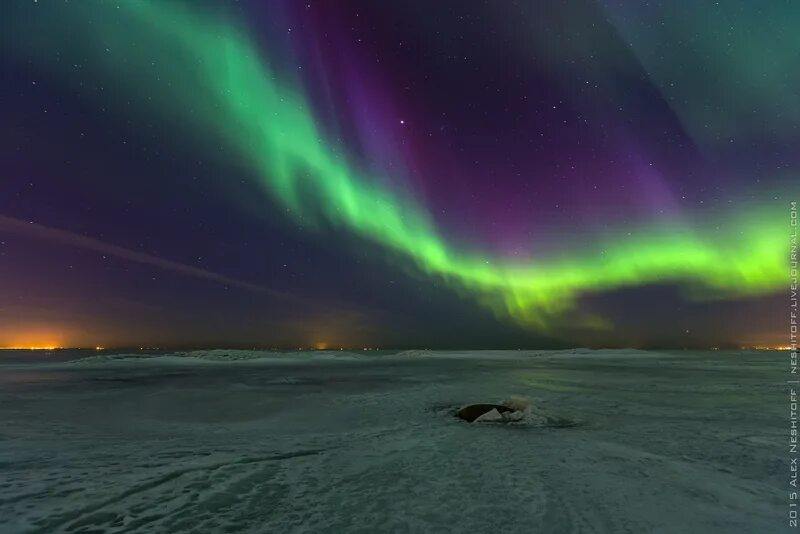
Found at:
[462, 174]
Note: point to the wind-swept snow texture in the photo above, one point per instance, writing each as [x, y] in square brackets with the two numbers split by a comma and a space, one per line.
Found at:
[261, 442]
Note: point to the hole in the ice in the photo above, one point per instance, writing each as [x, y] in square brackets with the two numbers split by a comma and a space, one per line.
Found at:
[505, 416]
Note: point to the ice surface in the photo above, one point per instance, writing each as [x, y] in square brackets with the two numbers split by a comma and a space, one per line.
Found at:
[242, 441]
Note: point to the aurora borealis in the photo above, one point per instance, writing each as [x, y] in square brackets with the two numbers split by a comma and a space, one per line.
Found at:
[591, 172]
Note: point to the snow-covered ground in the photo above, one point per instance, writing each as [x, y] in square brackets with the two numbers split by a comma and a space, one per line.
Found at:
[231, 441]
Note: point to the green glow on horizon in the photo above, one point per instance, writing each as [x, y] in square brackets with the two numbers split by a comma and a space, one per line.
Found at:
[208, 74]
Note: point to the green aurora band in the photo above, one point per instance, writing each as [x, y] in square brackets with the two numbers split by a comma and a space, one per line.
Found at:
[205, 73]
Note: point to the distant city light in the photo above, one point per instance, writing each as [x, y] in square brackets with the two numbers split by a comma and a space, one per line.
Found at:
[36, 347]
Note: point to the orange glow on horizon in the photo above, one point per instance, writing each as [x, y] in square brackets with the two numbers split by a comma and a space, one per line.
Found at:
[36, 338]
[36, 347]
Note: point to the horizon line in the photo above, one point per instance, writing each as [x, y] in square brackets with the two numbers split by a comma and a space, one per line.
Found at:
[185, 348]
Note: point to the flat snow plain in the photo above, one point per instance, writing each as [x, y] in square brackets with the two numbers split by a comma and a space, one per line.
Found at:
[263, 442]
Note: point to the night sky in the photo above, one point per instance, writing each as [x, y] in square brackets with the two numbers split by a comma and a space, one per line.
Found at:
[450, 174]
